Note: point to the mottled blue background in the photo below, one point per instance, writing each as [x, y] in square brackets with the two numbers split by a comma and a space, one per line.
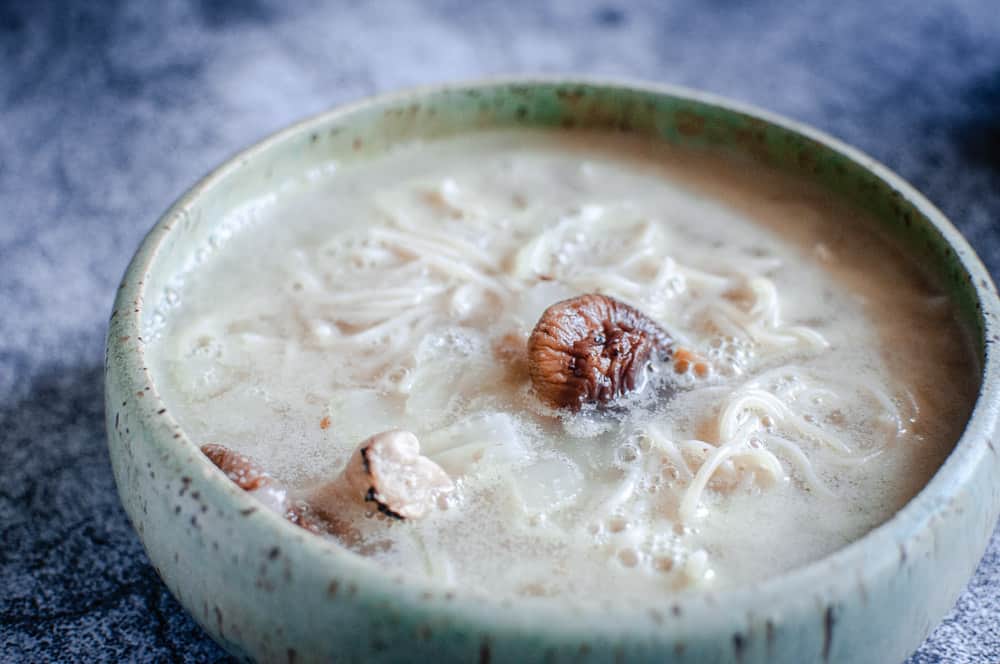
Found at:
[109, 110]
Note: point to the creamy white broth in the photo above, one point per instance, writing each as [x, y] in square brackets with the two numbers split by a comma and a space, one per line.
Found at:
[398, 293]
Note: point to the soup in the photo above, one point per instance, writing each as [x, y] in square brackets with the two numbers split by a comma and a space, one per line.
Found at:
[607, 368]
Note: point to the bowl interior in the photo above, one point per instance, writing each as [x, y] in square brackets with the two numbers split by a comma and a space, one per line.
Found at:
[686, 119]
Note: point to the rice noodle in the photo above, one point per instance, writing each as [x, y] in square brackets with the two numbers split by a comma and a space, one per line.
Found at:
[753, 422]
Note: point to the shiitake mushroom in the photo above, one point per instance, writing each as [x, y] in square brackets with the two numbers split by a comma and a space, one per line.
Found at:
[592, 349]
[386, 469]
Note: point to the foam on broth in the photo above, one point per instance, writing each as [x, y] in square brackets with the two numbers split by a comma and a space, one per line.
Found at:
[398, 293]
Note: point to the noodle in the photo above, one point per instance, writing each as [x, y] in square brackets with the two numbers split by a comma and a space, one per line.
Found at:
[401, 293]
[742, 414]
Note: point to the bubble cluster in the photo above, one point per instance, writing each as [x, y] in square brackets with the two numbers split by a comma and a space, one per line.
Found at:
[731, 356]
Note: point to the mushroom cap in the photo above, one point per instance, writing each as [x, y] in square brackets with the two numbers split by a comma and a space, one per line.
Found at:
[591, 348]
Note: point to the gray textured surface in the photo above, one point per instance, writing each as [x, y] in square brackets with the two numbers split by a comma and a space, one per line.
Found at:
[108, 112]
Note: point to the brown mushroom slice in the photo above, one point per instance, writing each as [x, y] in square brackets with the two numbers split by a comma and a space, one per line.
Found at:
[592, 349]
[388, 470]
[241, 469]
[249, 476]
[302, 515]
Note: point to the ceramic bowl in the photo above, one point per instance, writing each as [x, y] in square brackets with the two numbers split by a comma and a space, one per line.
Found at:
[267, 590]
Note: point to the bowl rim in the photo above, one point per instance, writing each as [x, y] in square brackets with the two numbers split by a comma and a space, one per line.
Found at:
[870, 555]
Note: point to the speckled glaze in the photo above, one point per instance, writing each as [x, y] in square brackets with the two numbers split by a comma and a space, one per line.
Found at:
[268, 591]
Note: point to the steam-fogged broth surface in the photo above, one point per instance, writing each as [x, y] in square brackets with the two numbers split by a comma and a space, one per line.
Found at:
[399, 292]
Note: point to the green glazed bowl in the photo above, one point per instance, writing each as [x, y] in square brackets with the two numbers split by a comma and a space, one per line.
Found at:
[268, 591]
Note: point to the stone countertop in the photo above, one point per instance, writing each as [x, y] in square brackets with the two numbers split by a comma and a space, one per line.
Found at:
[108, 111]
